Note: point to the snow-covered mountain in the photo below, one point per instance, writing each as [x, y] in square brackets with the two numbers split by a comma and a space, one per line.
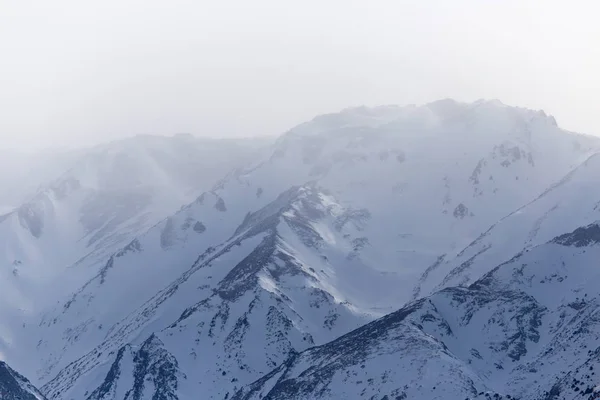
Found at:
[14, 386]
[571, 202]
[103, 198]
[280, 280]
[266, 276]
[527, 330]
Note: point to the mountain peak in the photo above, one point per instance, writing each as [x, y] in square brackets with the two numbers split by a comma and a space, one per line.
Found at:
[298, 269]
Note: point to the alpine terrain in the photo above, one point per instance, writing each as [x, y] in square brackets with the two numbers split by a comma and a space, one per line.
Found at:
[444, 251]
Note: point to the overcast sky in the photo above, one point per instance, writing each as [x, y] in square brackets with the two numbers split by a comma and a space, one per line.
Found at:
[74, 72]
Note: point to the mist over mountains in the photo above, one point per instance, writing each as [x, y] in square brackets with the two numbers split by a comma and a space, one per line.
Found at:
[444, 251]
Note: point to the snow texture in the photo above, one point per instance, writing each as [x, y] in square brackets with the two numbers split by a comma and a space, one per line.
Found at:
[445, 251]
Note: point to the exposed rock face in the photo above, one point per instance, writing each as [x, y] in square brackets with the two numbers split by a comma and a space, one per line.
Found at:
[154, 370]
[363, 255]
[14, 386]
[524, 341]
[581, 237]
[461, 211]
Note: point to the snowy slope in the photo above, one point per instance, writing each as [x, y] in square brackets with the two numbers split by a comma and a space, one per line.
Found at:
[334, 228]
[14, 386]
[23, 173]
[152, 370]
[571, 202]
[109, 194]
[443, 174]
[257, 297]
[432, 178]
[527, 330]
[344, 220]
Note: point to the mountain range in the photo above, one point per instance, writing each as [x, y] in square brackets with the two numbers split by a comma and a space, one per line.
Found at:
[444, 251]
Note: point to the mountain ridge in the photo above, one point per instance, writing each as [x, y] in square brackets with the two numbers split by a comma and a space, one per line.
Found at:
[342, 221]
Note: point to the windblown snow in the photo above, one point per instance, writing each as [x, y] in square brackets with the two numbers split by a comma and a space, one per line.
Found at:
[444, 251]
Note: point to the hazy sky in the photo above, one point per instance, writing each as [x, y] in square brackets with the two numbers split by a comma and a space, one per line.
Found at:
[75, 71]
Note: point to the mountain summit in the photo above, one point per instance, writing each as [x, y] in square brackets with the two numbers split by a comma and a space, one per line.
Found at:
[379, 253]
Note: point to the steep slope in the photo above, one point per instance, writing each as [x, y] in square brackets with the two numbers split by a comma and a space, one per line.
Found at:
[448, 145]
[432, 178]
[392, 190]
[391, 358]
[152, 370]
[14, 386]
[61, 237]
[569, 203]
[109, 194]
[258, 297]
[527, 330]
